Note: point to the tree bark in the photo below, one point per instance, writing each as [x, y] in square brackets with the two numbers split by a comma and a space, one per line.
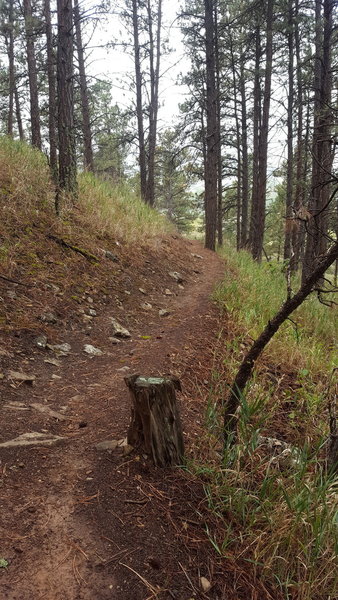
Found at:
[299, 197]
[245, 161]
[53, 161]
[244, 373]
[288, 250]
[321, 147]
[139, 103]
[258, 233]
[86, 127]
[32, 75]
[18, 113]
[211, 133]
[65, 74]
[11, 71]
[256, 137]
[219, 137]
[155, 426]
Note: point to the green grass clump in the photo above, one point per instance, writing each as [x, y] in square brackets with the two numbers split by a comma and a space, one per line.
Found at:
[118, 210]
[280, 518]
[253, 293]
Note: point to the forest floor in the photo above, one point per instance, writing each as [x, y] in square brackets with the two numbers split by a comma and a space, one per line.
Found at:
[78, 523]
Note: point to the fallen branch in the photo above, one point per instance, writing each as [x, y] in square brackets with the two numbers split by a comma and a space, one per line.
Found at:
[91, 257]
[248, 363]
[14, 281]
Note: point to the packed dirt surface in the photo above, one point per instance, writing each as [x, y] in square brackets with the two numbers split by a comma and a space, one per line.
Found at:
[82, 523]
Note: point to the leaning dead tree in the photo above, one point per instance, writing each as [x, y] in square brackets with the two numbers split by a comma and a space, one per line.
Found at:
[155, 426]
[245, 370]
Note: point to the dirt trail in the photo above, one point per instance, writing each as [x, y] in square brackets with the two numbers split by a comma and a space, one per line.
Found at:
[79, 524]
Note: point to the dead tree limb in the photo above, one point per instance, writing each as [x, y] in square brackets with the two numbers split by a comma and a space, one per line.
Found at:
[245, 370]
[91, 257]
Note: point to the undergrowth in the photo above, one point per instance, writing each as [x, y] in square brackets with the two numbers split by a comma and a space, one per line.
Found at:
[278, 515]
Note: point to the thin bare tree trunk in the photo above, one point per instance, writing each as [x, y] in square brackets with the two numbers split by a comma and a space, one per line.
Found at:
[51, 93]
[18, 113]
[256, 137]
[86, 127]
[65, 75]
[139, 103]
[299, 198]
[11, 71]
[211, 138]
[245, 161]
[258, 234]
[321, 146]
[219, 140]
[154, 58]
[288, 254]
[32, 75]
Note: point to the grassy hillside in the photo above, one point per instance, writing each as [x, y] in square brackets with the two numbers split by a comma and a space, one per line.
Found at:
[40, 251]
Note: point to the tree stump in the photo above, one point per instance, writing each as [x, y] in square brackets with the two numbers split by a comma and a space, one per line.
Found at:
[155, 425]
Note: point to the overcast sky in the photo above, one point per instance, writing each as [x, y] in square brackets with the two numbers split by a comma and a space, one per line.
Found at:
[116, 65]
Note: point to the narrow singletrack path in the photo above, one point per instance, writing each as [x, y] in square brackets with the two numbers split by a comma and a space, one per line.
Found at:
[83, 524]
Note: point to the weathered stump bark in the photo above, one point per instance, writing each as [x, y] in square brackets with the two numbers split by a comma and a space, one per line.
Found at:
[155, 425]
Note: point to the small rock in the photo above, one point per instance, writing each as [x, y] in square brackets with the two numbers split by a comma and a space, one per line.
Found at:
[119, 330]
[123, 369]
[197, 255]
[60, 349]
[33, 438]
[205, 584]
[107, 445]
[87, 318]
[56, 376]
[181, 286]
[21, 377]
[49, 317]
[142, 291]
[146, 306]
[111, 256]
[168, 292]
[89, 349]
[48, 411]
[41, 341]
[127, 449]
[114, 340]
[127, 292]
[177, 276]
[90, 299]
[11, 294]
[92, 312]
[163, 312]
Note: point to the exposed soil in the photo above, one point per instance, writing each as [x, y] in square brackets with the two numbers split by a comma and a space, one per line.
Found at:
[83, 524]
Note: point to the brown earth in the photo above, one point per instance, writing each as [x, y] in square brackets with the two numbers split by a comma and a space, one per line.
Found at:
[83, 524]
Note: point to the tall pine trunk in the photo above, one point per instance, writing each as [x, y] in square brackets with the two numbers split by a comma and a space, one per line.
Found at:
[288, 250]
[139, 103]
[65, 76]
[321, 142]
[11, 72]
[245, 161]
[259, 225]
[51, 93]
[211, 132]
[86, 127]
[154, 60]
[32, 75]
